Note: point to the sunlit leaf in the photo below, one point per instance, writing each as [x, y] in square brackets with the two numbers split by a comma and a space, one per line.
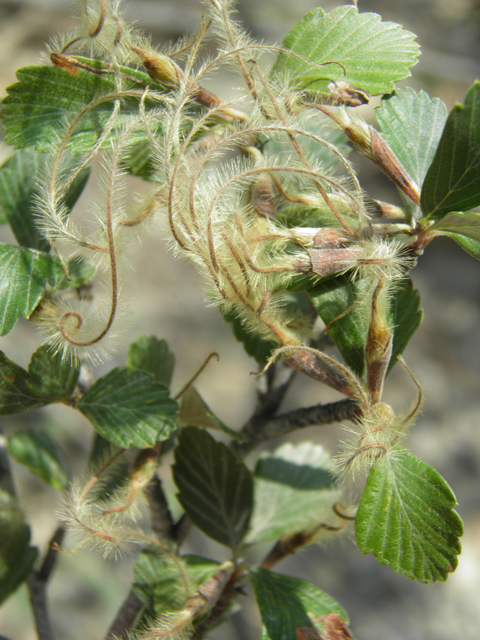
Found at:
[406, 518]
[453, 179]
[373, 54]
[25, 274]
[412, 124]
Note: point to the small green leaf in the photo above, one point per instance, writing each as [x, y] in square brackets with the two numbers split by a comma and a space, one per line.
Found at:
[453, 179]
[194, 412]
[49, 379]
[465, 224]
[254, 345]
[38, 452]
[159, 582]
[17, 557]
[25, 274]
[374, 54]
[45, 97]
[287, 604]
[412, 124]
[51, 375]
[406, 518]
[130, 408]
[18, 191]
[333, 297]
[294, 487]
[79, 272]
[405, 317]
[470, 246]
[215, 489]
[139, 161]
[16, 396]
[148, 353]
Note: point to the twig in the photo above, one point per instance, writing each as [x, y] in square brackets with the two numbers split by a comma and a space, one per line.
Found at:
[126, 616]
[162, 521]
[257, 432]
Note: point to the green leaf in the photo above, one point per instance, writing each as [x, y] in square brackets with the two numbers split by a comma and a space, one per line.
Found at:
[17, 557]
[159, 582]
[139, 161]
[406, 518]
[294, 488]
[215, 489]
[148, 353]
[51, 375]
[39, 453]
[16, 395]
[412, 124]
[49, 379]
[79, 272]
[130, 408]
[194, 412]
[25, 274]
[287, 604]
[405, 317]
[45, 97]
[18, 191]
[470, 246]
[453, 179]
[374, 54]
[254, 345]
[333, 297]
[465, 224]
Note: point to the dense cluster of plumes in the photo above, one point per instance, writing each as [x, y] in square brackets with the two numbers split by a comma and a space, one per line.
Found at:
[229, 179]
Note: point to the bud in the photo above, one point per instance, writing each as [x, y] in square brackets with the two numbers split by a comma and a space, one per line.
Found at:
[159, 67]
[379, 343]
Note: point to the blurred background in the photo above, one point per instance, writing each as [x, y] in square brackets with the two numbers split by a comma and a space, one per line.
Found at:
[167, 300]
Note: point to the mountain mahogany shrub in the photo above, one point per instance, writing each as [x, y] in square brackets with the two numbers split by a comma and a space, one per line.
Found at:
[261, 196]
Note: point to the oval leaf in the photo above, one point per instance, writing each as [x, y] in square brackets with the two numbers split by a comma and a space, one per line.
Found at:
[148, 353]
[18, 191]
[130, 409]
[160, 581]
[374, 54]
[30, 271]
[288, 605]
[294, 488]
[453, 179]
[406, 518]
[412, 124]
[465, 224]
[39, 453]
[333, 297]
[17, 557]
[46, 96]
[215, 489]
